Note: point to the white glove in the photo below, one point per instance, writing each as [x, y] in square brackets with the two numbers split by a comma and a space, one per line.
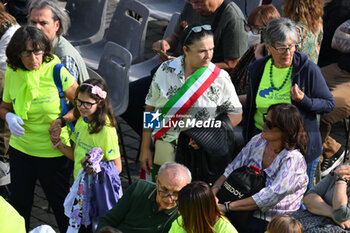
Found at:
[15, 123]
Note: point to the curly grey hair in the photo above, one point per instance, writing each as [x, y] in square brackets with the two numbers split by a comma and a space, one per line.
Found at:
[58, 13]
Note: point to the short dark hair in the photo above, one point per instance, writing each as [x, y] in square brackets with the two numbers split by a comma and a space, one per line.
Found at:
[198, 207]
[288, 119]
[19, 42]
[104, 107]
[189, 39]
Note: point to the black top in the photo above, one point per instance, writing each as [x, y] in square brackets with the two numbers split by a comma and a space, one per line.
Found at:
[335, 13]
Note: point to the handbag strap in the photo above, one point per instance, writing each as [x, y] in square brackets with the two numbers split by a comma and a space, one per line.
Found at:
[58, 82]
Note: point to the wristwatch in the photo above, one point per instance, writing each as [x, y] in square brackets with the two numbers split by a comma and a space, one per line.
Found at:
[64, 123]
[339, 178]
[227, 206]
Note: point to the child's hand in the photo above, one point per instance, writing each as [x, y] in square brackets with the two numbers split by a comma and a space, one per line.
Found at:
[88, 170]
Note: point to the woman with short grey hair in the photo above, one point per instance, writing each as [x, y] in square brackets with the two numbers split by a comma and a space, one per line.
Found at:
[287, 76]
[278, 31]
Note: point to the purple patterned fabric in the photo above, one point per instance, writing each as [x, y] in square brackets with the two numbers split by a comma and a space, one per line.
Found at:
[94, 156]
[101, 196]
[286, 179]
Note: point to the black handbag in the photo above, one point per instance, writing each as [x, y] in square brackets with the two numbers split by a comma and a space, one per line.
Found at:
[242, 183]
[215, 141]
[215, 152]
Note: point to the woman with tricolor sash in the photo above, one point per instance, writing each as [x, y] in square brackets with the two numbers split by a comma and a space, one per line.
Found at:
[188, 88]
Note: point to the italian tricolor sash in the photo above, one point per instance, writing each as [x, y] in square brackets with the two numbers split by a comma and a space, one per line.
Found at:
[186, 96]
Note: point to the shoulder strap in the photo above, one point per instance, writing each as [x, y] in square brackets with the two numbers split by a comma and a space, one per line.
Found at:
[218, 14]
[58, 82]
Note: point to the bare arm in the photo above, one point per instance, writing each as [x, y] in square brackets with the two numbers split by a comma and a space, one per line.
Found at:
[118, 164]
[218, 183]
[235, 119]
[244, 204]
[316, 205]
[339, 196]
[228, 64]
[4, 109]
[146, 158]
[67, 150]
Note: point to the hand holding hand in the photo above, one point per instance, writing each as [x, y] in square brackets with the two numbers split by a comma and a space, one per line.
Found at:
[55, 130]
[14, 122]
[296, 94]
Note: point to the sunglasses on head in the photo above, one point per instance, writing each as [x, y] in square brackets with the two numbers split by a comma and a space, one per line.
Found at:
[197, 29]
[267, 122]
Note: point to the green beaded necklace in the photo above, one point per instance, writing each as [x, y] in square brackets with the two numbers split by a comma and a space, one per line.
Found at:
[285, 79]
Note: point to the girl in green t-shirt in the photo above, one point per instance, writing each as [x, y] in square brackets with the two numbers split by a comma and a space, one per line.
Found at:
[95, 126]
[199, 211]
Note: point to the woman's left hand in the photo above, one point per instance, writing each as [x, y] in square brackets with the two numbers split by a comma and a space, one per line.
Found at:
[296, 94]
[193, 144]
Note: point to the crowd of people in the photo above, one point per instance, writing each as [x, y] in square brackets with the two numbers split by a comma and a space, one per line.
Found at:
[280, 76]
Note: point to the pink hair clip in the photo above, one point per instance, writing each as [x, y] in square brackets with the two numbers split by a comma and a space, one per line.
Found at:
[96, 90]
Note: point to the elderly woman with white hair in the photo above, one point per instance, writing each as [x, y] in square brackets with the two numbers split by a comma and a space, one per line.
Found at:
[287, 76]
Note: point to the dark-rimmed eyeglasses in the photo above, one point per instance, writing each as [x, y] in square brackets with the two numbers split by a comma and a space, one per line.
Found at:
[87, 105]
[267, 122]
[197, 29]
[283, 49]
[173, 196]
[254, 30]
[28, 53]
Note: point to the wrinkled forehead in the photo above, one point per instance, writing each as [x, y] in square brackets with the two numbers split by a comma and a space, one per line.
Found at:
[171, 181]
[41, 14]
